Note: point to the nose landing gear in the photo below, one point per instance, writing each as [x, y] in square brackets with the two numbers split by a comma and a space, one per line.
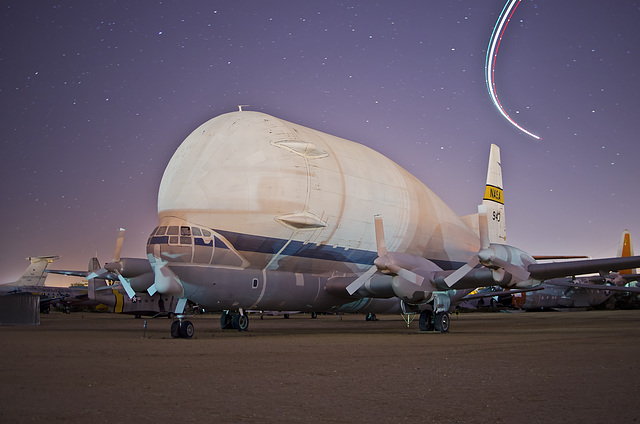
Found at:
[182, 328]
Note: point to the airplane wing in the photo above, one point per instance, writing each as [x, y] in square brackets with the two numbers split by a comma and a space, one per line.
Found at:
[68, 273]
[570, 284]
[590, 266]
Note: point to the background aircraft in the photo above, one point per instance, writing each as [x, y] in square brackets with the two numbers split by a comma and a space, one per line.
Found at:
[98, 291]
[259, 213]
[563, 293]
[33, 281]
[34, 275]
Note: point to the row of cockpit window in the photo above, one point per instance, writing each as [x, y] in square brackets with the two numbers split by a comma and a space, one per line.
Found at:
[178, 234]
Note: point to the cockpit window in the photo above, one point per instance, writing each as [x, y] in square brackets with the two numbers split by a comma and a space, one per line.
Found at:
[172, 230]
[185, 231]
[206, 233]
[161, 230]
[196, 231]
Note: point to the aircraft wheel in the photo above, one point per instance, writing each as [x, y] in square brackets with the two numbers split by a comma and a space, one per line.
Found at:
[424, 322]
[314, 315]
[442, 322]
[175, 329]
[371, 317]
[240, 322]
[225, 320]
[186, 329]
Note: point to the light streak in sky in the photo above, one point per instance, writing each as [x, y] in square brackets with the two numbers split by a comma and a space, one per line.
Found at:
[490, 62]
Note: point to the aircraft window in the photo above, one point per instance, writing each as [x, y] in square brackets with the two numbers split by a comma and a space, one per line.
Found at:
[185, 231]
[254, 284]
[161, 230]
[173, 231]
[173, 240]
[206, 233]
[196, 231]
[185, 240]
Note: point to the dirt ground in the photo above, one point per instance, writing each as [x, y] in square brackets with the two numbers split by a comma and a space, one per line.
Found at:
[492, 368]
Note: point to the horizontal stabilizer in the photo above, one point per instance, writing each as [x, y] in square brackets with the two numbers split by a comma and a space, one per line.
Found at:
[564, 269]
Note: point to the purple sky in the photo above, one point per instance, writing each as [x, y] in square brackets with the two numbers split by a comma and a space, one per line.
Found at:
[96, 97]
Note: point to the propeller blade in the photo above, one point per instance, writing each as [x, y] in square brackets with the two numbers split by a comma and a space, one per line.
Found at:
[483, 227]
[361, 280]
[517, 271]
[118, 250]
[381, 246]
[459, 273]
[152, 289]
[127, 287]
[97, 274]
[410, 276]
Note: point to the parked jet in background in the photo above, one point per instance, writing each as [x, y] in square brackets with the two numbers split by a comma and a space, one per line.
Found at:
[259, 213]
[34, 275]
[33, 281]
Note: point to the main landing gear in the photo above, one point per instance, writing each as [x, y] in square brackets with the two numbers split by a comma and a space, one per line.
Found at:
[229, 320]
[440, 321]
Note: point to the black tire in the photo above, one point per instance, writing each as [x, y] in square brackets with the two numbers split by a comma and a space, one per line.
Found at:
[425, 322]
[186, 329]
[240, 322]
[175, 329]
[314, 315]
[225, 320]
[442, 322]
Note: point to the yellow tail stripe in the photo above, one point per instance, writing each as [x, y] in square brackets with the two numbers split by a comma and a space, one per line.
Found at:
[119, 306]
[494, 194]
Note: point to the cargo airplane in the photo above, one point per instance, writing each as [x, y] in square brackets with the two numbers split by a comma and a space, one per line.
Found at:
[257, 213]
[32, 282]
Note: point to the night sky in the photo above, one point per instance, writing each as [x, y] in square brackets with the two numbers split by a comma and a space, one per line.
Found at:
[96, 97]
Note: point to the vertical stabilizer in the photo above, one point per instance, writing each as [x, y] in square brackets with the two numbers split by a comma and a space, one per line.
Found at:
[34, 274]
[626, 249]
[93, 283]
[494, 198]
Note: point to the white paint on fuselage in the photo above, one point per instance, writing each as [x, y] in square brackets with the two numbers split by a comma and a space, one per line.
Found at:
[232, 175]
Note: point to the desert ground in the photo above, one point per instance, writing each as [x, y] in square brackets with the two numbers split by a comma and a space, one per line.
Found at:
[544, 367]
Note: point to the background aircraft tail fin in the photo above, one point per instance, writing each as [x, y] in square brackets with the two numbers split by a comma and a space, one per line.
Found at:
[94, 264]
[494, 198]
[626, 249]
[34, 275]
[94, 283]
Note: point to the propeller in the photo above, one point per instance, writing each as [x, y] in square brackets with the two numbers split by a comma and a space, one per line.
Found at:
[165, 281]
[386, 263]
[114, 267]
[490, 255]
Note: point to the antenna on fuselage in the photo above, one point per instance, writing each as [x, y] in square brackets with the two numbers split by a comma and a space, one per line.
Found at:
[241, 106]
